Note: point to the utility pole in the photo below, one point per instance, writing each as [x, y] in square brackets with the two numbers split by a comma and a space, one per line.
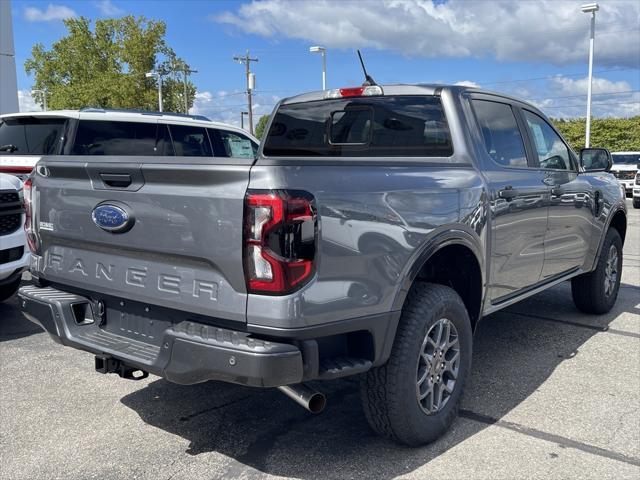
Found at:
[186, 72]
[246, 60]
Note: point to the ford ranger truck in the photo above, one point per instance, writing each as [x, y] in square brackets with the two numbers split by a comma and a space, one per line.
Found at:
[373, 231]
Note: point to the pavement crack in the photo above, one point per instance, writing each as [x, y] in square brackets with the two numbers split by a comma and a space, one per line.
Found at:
[563, 442]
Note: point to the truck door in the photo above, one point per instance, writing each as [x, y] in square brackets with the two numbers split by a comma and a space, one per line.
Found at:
[572, 200]
[518, 199]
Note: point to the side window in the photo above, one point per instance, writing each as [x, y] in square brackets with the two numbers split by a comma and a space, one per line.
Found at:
[551, 150]
[99, 137]
[236, 145]
[164, 146]
[190, 141]
[500, 132]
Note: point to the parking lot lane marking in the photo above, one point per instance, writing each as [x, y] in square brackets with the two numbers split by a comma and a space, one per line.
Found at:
[597, 328]
[549, 437]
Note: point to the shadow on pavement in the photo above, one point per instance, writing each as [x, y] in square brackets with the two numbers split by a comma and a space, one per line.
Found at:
[514, 354]
[12, 324]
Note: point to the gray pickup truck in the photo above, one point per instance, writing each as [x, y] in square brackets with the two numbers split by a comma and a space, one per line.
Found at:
[375, 228]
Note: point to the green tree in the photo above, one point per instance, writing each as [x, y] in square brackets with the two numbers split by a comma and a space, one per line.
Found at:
[615, 134]
[106, 67]
[261, 126]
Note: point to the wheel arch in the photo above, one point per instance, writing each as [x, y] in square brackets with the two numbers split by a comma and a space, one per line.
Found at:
[466, 251]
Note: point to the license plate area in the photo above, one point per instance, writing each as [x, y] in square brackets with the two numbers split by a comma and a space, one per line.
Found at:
[134, 321]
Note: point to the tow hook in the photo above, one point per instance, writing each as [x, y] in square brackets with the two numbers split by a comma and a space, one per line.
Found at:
[112, 365]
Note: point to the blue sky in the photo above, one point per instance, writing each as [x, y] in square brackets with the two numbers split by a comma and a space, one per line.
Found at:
[536, 50]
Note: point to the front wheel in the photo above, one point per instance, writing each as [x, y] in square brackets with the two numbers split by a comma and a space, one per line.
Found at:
[597, 291]
[636, 203]
[414, 397]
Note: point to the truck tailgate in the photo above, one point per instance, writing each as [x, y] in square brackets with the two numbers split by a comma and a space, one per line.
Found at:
[181, 247]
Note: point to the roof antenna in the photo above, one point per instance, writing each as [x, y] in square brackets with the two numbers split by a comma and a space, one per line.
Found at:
[367, 78]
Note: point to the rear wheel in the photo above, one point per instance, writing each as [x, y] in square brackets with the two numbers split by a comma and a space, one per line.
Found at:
[414, 397]
[7, 291]
[597, 291]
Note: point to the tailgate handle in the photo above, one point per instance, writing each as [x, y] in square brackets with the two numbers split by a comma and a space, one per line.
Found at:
[116, 180]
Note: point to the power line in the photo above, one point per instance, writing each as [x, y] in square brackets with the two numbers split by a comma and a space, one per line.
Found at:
[584, 95]
[582, 105]
[548, 77]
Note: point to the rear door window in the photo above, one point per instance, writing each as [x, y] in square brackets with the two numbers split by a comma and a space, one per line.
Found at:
[31, 135]
[394, 126]
[500, 133]
[190, 141]
[100, 137]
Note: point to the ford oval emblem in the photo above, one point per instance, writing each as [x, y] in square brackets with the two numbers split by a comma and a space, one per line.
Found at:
[112, 218]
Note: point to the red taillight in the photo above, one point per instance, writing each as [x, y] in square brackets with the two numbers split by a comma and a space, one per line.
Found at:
[16, 169]
[279, 241]
[365, 91]
[351, 92]
[32, 240]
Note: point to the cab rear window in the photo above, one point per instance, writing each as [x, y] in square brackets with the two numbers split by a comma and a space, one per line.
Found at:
[397, 126]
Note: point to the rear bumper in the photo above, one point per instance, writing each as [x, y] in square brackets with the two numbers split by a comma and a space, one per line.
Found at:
[185, 352]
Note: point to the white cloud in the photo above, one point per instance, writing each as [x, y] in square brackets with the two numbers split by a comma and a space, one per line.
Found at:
[52, 13]
[26, 102]
[545, 30]
[108, 9]
[468, 83]
[569, 86]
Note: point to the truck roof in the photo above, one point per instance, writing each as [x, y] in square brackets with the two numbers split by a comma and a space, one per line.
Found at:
[408, 89]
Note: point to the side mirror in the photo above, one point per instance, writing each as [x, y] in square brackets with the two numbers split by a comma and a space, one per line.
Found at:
[595, 159]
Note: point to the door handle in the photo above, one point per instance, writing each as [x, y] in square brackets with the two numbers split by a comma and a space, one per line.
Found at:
[116, 180]
[508, 193]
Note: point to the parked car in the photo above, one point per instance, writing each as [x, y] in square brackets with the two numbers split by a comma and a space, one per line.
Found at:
[636, 192]
[14, 254]
[375, 229]
[625, 167]
[26, 137]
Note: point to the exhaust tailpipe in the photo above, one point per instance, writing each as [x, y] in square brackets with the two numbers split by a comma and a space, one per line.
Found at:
[309, 398]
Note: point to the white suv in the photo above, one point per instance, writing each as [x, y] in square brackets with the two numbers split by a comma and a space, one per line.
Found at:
[14, 254]
[636, 192]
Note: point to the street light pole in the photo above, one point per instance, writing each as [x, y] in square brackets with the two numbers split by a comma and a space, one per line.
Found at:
[158, 75]
[591, 8]
[323, 52]
[242, 114]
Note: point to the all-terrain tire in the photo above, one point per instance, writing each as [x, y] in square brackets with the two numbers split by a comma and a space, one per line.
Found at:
[589, 290]
[388, 392]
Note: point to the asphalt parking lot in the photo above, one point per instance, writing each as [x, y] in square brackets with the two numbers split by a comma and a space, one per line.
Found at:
[553, 394]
